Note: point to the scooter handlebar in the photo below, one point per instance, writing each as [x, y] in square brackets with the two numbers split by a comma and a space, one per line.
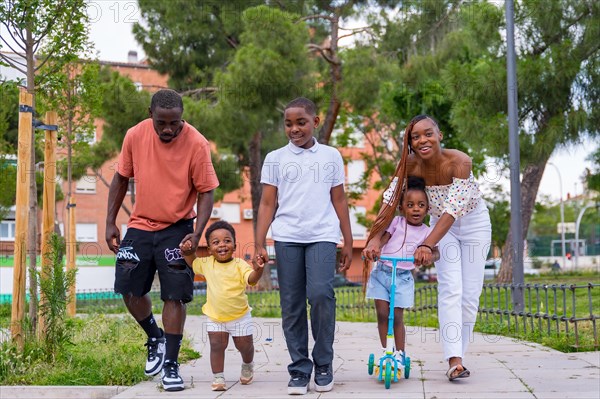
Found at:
[397, 259]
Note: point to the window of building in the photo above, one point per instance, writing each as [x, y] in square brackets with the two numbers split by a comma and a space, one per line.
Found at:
[86, 232]
[356, 169]
[230, 212]
[7, 230]
[359, 232]
[86, 185]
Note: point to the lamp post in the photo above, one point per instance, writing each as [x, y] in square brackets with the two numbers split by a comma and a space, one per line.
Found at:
[516, 225]
[562, 216]
[577, 234]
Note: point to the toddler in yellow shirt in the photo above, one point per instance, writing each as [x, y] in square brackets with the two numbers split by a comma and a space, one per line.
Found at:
[226, 304]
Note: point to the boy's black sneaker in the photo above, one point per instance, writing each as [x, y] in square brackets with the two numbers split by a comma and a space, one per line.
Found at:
[298, 384]
[156, 355]
[323, 378]
[170, 378]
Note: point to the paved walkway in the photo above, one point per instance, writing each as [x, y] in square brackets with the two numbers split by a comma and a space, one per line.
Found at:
[500, 368]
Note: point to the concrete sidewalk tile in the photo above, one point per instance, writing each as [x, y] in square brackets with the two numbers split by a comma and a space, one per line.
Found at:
[59, 392]
[480, 394]
[500, 368]
[560, 380]
[567, 395]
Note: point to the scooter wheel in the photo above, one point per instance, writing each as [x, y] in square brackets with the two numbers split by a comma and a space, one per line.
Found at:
[371, 363]
[388, 375]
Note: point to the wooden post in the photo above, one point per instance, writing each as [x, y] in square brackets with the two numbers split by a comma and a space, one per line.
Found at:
[21, 215]
[49, 207]
[71, 249]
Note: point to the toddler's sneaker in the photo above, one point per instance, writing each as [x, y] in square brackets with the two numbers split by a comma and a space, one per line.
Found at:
[156, 355]
[298, 384]
[218, 384]
[247, 374]
[323, 378]
[170, 378]
[399, 355]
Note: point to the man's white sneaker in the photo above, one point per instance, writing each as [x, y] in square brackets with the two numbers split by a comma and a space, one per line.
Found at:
[170, 378]
[156, 355]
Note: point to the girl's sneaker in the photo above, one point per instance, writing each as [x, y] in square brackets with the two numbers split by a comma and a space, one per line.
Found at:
[218, 384]
[247, 374]
[399, 355]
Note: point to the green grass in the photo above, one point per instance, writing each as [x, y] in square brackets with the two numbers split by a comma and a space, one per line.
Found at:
[80, 261]
[104, 350]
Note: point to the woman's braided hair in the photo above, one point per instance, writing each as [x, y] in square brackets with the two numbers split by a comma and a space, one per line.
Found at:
[384, 218]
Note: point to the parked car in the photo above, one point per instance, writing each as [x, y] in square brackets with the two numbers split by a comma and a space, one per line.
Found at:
[492, 267]
[340, 280]
[428, 275]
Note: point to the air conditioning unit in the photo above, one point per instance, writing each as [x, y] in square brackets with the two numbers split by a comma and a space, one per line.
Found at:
[248, 213]
[216, 213]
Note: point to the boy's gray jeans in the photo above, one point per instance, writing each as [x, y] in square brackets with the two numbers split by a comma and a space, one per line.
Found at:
[306, 270]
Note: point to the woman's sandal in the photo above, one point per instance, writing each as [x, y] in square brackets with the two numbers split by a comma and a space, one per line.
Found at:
[462, 374]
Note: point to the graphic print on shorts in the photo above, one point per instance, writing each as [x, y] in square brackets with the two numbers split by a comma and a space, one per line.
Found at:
[126, 252]
[171, 255]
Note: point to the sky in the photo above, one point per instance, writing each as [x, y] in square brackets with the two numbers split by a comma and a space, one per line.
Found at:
[111, 28]
[111, 33]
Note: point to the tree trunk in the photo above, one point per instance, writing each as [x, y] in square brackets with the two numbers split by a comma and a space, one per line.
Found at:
[33, 205]
[336, 80]
[255, 192]
[530, 183]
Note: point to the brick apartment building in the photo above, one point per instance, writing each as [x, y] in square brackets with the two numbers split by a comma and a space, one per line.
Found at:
[91, 193]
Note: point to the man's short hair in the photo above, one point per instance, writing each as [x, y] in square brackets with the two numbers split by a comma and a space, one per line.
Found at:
[166, 98]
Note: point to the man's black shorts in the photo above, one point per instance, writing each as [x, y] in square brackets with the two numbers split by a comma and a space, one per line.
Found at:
[142, 253]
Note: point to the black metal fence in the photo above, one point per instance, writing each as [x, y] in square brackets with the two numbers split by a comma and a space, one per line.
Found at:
[568, 311]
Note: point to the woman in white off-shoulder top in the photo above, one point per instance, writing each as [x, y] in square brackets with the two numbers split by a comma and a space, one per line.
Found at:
[460, 228]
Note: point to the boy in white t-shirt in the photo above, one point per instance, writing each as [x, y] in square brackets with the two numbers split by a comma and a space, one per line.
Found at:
[400, 240]
[226, 304]
[303, 201]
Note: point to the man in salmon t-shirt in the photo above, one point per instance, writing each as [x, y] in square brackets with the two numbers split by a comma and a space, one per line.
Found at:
[170, 163]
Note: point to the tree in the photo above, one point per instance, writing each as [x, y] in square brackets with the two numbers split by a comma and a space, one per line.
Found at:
[269, 68]
[190, 40]
[38, 31]
[74, 93]
[395, 74]
[121, 106]
[8, 133]
[558, 72]
[592, 177]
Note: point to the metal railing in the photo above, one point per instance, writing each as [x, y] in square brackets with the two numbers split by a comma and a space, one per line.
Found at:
[550, 310]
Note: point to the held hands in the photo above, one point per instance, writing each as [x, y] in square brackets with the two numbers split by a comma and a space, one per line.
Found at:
[260, 258]
[186, 247]
[425, 255]
[189, 244]
[372, 251]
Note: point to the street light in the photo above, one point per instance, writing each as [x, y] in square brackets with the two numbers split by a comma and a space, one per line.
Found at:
[577, 234]
[562, 216]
